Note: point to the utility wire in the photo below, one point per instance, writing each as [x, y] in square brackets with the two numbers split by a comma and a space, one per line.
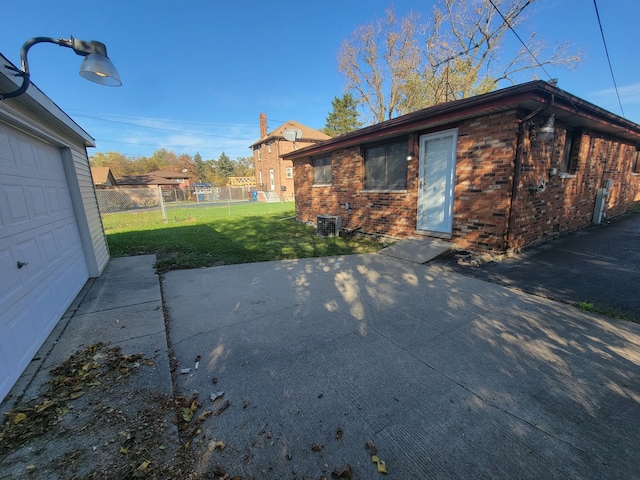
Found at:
[518, 37]
[606, 50]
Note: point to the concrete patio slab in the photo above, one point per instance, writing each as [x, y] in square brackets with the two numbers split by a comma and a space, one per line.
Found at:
[418, 250]
[449, 376]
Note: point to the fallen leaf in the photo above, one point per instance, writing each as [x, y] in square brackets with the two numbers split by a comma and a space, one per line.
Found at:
[74, 395]
[43, 406]
[371, 447]
[316, 447]
[204, 415]
[147, 362]
[124, 451]
[222, 408]
[344, 472]
[245, 403]
[31, 467]
[162, 447]
[216, 444]
[144, 465]
[339, 433]
[19, 417]
[187, 414]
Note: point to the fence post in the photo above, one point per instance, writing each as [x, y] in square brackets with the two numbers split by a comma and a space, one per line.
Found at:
[164, 213]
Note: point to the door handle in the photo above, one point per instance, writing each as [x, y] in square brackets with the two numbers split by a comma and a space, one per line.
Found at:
[22, 264]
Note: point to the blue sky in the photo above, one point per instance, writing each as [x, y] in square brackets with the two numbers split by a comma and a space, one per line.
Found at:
[196, 74]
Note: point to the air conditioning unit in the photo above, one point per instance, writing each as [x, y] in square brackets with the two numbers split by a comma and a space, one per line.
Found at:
[328, 225]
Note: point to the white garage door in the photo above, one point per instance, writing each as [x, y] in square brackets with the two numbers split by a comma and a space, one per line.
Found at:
[38, 231]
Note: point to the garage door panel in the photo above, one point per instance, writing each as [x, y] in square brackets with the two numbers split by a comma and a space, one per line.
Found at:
[46, 317]
[25, 157]
[37, 202]
[16, 203]
[49, 249]
[53, 201]
[7, 159]
[10, 282]
[20, 339]
[34, 270]
[44, 251]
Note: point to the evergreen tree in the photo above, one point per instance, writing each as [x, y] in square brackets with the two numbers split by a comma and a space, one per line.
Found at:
[225, 166]
[200, 167]
[344, 116]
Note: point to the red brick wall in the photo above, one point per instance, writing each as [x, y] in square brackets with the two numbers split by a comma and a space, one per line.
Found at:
[568, 201]
[485, 165]
[484, 176]
[388, 213]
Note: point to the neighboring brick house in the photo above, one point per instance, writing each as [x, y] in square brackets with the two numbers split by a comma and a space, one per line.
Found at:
[274, 175]
[476, 171]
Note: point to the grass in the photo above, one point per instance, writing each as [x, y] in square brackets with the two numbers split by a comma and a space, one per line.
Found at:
[606, 311]
[635, 208]
[202, 237]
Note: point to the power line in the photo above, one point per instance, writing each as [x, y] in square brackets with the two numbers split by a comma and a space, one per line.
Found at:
[606, 50]
[159, 128]
[520, 39]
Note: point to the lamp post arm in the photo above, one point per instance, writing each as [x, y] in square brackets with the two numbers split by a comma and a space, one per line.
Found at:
[30, 43]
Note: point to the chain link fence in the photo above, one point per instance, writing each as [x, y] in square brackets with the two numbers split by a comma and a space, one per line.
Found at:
[112, 200]
[122, 199]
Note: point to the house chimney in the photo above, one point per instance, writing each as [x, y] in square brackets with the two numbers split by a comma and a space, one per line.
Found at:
[263, 125]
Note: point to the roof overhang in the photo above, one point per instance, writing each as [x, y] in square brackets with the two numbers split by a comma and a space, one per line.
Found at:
[34, 104]
[527, 96]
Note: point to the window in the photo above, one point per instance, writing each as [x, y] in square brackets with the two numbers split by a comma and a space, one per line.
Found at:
[289, 172]
[570, 152]
[385, 166]
[635, 168]
[321, 169]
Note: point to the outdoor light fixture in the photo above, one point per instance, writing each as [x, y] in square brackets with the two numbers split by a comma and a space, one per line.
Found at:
[96, 66]
[410, 156]
[545, 133]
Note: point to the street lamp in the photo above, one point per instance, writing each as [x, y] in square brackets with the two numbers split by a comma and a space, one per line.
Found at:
[96, 66]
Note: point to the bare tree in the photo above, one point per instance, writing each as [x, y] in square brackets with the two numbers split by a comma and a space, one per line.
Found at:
[376, 61]
[458, 53]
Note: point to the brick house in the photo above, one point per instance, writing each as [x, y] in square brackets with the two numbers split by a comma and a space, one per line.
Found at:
[274, 175]
[476, 171]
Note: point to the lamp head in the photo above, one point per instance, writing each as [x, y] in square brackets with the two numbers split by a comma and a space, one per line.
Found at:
[545, 133]
[96, 66]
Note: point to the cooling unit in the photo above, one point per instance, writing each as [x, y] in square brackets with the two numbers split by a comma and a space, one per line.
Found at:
[328, 225]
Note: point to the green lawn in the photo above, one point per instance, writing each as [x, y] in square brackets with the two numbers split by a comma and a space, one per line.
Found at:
[243, 233]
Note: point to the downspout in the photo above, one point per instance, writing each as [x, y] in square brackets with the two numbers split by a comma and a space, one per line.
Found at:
[518, 165]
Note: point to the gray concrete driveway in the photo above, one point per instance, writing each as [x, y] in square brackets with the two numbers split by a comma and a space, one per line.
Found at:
[449, 376]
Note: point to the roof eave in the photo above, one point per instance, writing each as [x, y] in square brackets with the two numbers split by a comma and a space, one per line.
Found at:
[522, 95]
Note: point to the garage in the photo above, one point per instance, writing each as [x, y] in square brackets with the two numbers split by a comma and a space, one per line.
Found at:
[51, 236]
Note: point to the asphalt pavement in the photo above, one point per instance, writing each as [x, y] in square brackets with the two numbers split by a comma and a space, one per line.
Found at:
[599, 264]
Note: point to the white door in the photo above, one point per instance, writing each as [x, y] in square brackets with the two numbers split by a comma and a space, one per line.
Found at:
[272, 180]
[436, 181]
[42, 262]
